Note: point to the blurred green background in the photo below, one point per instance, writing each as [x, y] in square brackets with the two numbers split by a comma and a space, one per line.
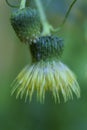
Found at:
[18, 115]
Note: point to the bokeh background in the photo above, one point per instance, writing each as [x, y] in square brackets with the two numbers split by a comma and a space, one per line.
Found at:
[18, 115]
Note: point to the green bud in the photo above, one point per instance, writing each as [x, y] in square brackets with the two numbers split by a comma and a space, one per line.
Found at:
[26, 23]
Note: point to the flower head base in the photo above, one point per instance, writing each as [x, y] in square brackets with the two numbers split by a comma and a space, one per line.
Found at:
[46, 48]
[44, 76]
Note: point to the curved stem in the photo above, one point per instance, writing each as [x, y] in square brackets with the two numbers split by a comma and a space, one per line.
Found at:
[11, 4]
[46, 26]
[65, 18]
[68, 12]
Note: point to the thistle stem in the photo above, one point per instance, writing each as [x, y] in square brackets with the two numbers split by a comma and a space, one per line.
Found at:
[46, 26]
[68, 12]
[13, 6]
[66, 16]
[22, 4]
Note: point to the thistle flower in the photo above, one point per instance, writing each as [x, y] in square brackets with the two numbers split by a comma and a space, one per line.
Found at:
[46, 73]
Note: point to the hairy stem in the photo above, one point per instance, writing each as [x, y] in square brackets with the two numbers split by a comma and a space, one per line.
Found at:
[23, 4]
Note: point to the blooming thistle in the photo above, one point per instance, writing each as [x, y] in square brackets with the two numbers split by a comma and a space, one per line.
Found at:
[46, 72]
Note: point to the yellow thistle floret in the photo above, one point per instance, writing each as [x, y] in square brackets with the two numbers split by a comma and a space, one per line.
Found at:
[47, 76]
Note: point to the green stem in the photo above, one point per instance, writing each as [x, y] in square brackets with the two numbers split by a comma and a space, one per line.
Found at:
[23, 4]
[13, 6]
[46, 26]
[68, 12]
[65, 18]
